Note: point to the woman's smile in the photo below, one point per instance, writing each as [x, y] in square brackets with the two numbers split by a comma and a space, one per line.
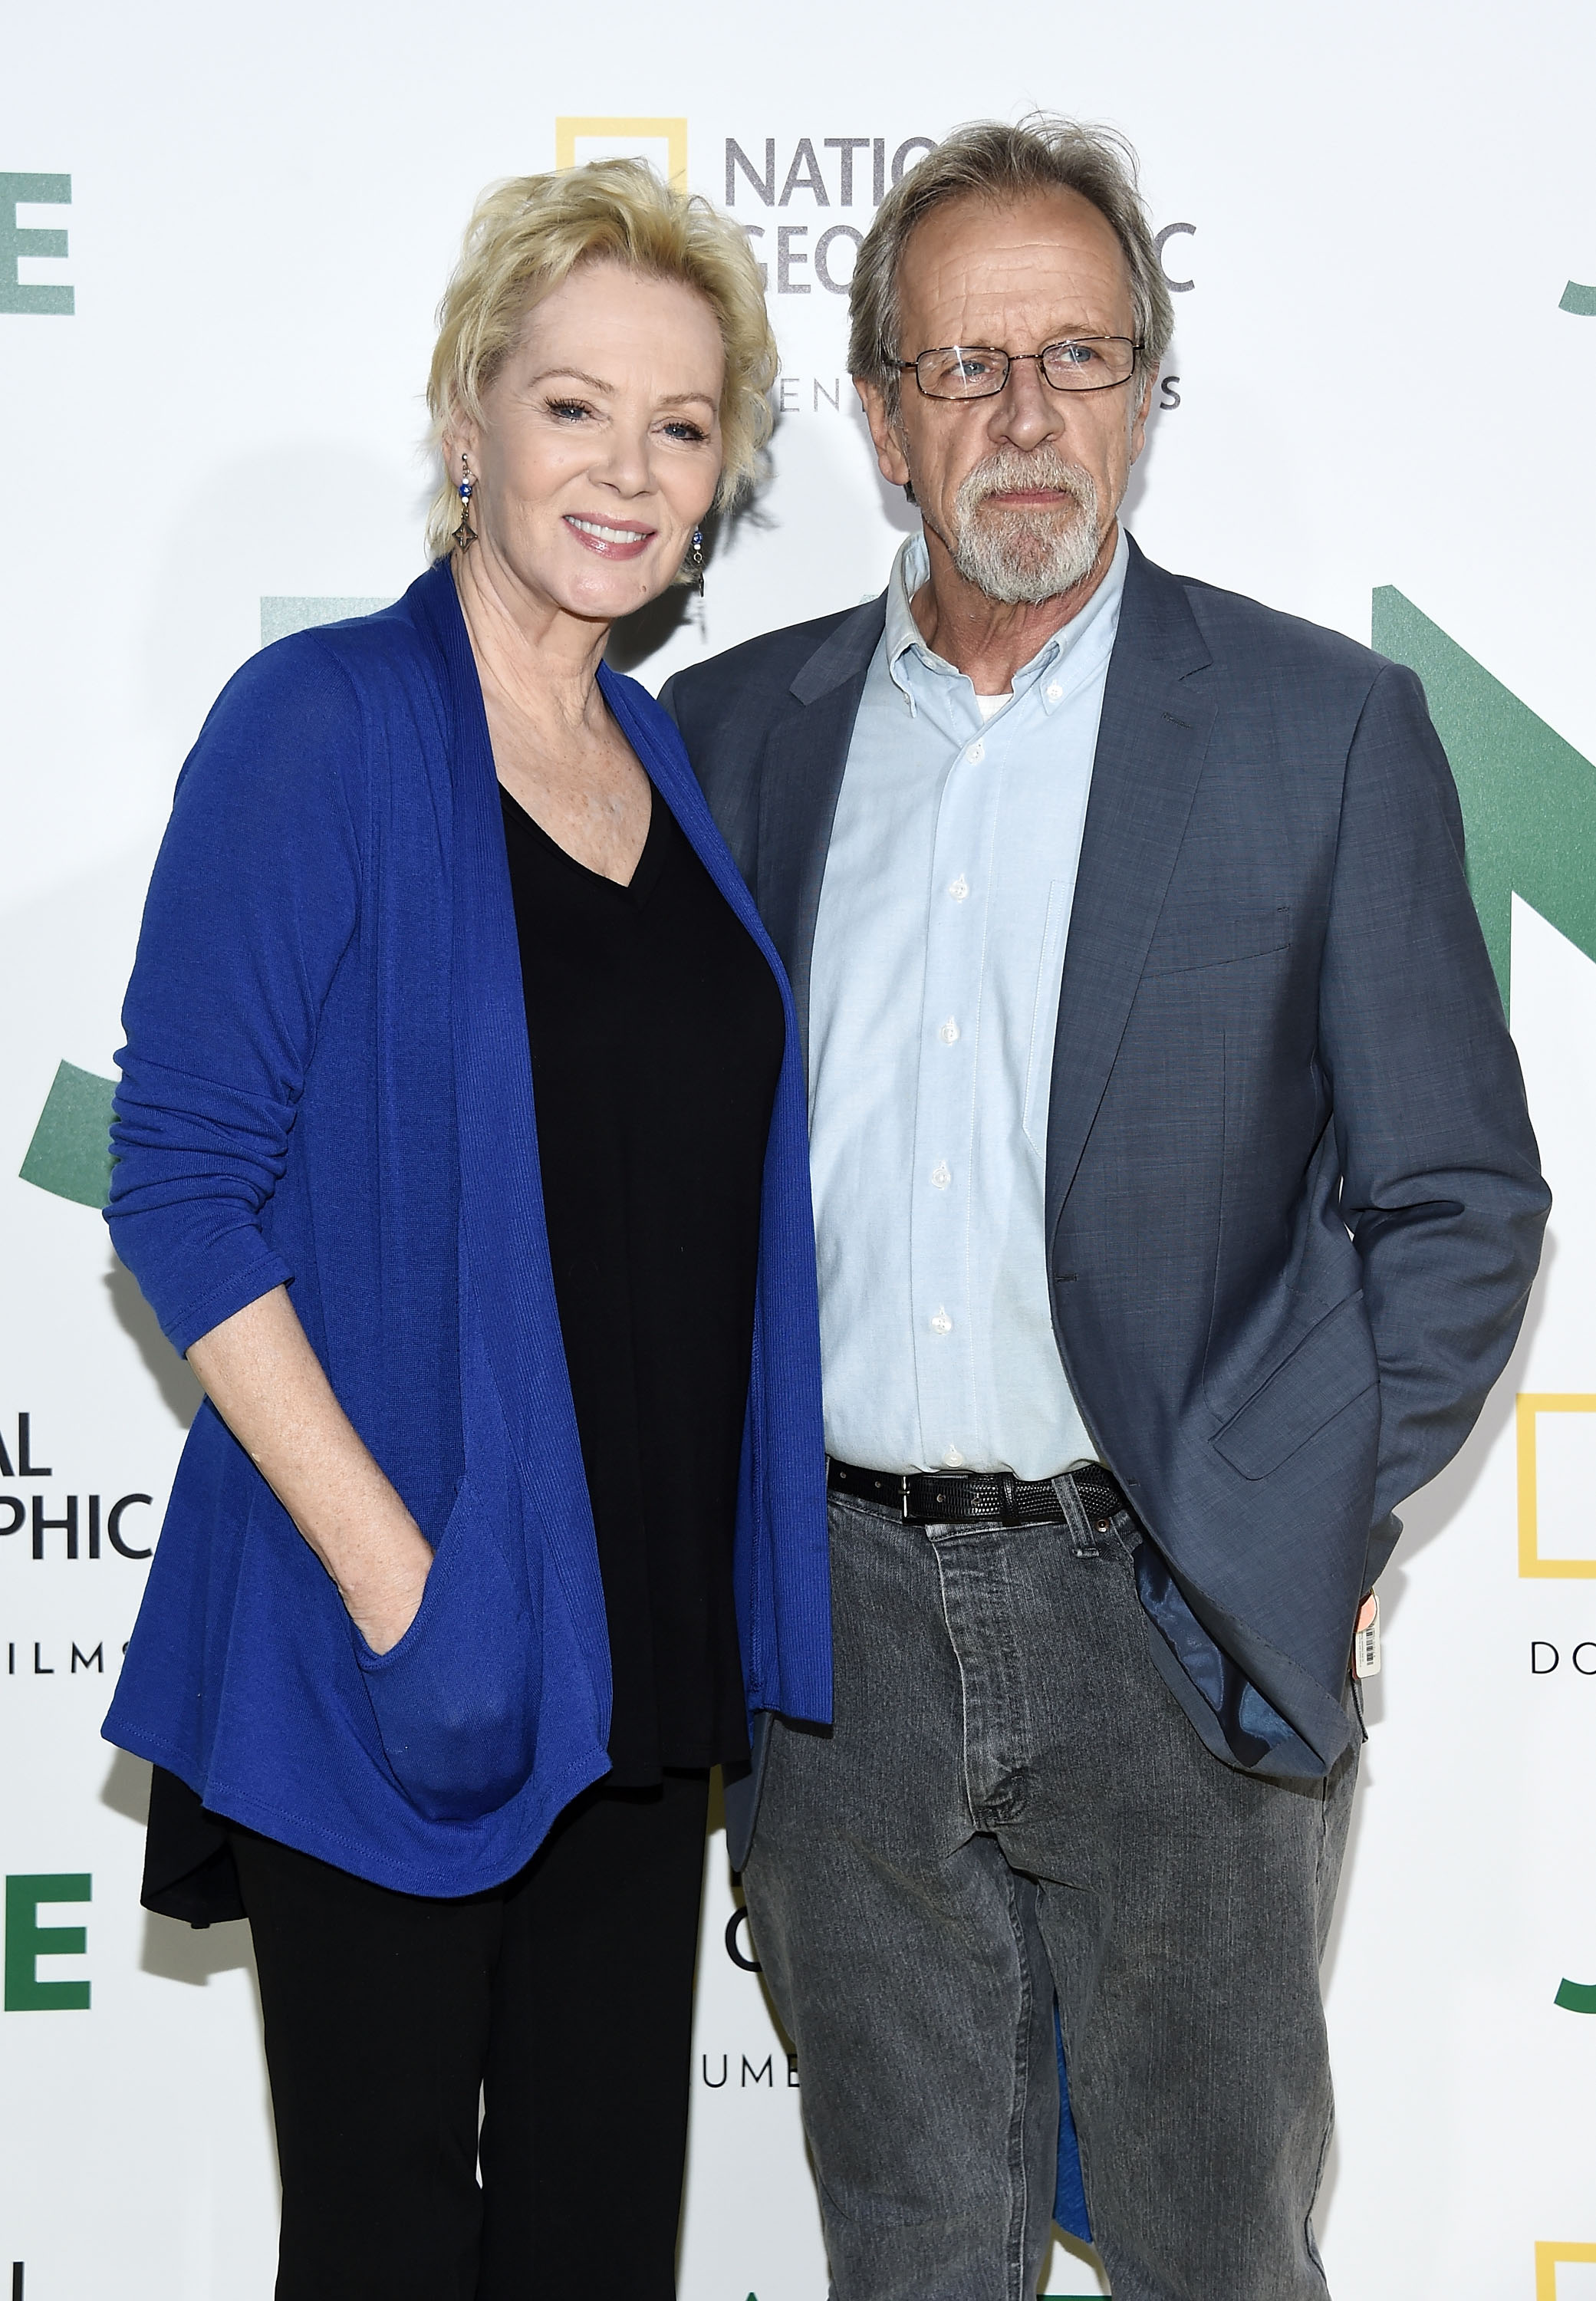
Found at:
[610, 538]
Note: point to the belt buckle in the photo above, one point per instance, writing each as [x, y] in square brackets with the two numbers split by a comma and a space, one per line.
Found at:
[903, 1496]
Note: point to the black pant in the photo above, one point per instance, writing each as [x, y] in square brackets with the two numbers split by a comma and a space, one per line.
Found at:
[563, 1998]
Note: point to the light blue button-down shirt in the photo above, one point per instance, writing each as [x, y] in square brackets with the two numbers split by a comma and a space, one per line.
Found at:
[938, 953]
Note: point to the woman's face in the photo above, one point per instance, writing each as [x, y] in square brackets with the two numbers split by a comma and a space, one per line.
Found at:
[599, 448]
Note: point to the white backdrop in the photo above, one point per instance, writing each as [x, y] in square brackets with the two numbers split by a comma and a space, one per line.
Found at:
[1380, 377]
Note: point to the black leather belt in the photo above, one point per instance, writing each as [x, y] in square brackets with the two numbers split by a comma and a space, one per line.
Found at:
[979, 1497]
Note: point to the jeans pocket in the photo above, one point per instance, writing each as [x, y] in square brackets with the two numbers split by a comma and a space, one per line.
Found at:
[456, 1700]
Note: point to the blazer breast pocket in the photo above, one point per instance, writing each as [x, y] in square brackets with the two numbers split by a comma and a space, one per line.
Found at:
[1333, 1364]
[1190, 939]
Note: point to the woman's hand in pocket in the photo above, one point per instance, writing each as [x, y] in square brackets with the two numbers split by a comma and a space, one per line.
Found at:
[456, 1700]
[268, 1387]
[381, 1586]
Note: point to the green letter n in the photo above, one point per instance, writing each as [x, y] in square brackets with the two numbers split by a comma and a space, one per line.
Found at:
[1529, 798]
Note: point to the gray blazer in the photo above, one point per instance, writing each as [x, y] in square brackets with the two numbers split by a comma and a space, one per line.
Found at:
[1293, 1200]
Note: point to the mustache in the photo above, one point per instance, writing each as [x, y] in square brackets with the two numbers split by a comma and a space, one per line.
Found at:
[1008, 471]
[1030, 554]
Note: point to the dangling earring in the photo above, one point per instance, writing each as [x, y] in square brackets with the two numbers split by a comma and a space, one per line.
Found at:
[694, 560]
[465, 534]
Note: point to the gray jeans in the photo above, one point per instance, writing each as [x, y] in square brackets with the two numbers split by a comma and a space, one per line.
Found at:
[1010, 1805]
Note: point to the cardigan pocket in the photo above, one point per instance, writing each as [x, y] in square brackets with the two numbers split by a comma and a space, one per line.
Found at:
[456, 1700]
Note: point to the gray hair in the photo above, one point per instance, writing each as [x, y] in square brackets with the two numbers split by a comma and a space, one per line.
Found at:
[991, 161]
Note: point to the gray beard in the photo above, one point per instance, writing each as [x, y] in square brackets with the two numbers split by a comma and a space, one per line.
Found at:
[1022, 558]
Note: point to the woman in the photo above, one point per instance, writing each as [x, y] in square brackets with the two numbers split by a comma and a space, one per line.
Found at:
[507, 1499]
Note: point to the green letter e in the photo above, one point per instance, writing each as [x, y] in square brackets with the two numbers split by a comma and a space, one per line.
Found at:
[27, 1941]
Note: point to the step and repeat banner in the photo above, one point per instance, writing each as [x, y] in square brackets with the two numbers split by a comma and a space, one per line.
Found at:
[222, 234]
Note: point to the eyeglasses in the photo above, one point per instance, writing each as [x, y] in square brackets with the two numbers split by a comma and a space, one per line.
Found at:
[980, 371]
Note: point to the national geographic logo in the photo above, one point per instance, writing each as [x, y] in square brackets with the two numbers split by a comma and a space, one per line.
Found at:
[854, 175]
[75, 1528]
[662, 143]
[1557, 1454]
[824, 175]
[847, 174]
[1549, 2258]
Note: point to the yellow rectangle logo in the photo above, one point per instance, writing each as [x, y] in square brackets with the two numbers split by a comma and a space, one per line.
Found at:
[655, 141]
[1547, 1548]
[1547, 2257]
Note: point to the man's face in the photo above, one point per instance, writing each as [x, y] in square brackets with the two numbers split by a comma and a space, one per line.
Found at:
[1021, 489]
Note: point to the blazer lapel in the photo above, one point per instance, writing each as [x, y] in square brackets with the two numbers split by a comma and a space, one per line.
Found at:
[1152, 739]
[805, 760]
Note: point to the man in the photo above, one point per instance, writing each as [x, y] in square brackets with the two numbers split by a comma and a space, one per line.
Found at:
[1176, 1205]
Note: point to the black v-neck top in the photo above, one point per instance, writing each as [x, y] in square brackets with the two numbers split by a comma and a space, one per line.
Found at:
[657, 1034]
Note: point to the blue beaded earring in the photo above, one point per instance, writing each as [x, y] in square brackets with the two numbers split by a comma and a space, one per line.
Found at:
[695, 561]
[465, 534]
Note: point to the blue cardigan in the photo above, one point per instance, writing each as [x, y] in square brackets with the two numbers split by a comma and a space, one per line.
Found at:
[327, 1083]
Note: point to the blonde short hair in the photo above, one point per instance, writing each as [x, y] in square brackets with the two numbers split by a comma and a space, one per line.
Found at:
[529, 234]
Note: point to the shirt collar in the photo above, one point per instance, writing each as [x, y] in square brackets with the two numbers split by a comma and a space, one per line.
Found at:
[904, 644]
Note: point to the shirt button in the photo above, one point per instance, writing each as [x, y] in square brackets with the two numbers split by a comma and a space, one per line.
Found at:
[947, 1032]
[941, 1173]
[958, 888]
[952, 1459]
[1054, 692]
[942, 1323]
[976, 752]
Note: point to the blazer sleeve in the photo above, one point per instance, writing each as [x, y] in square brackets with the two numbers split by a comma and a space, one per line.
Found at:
[253, 903]
[1442, 1186]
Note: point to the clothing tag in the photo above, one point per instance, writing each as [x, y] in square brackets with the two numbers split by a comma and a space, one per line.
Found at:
[1365, 1641]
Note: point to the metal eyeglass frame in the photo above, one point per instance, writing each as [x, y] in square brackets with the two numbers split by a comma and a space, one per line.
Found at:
[1010, 359]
